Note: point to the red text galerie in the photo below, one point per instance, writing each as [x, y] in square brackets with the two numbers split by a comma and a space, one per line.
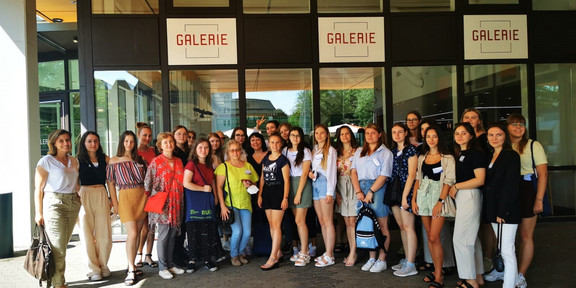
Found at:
[351, 38]
[495, 35]
[202, 39]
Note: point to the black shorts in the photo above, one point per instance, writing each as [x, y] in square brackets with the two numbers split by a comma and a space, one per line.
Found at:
[527, 198]
[272, 197]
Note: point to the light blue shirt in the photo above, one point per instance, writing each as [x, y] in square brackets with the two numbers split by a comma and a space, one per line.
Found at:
[377, 164]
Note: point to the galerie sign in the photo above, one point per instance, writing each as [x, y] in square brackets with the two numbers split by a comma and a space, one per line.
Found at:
[201, 41]
[495, 37]
[354, 39]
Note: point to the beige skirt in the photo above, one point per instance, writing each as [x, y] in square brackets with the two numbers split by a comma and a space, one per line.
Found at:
[131, 204]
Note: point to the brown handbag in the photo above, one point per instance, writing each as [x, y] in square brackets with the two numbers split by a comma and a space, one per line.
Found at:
[39, 261]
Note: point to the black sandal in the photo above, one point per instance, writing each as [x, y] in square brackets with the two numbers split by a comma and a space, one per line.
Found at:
[426, 267]
[435, 284]
[430, 277]
[152, 264]
[464, 284]
[140, 263]
[130, 278]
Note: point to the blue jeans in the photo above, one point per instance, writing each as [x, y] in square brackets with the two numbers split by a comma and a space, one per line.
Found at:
[240, 231]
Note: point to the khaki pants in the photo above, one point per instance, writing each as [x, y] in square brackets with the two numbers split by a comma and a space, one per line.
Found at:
[60, 215]
[96, 230]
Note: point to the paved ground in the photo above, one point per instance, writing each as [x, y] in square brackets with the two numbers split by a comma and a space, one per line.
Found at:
[553, 266]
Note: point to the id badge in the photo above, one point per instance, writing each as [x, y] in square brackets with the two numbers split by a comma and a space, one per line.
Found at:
[376, 162]
[461, 158]
[437, 170]
[248, 172]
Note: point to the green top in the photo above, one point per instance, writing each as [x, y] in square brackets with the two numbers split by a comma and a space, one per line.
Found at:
[240, 197]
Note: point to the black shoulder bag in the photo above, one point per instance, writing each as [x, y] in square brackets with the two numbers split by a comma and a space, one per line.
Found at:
[231, 217]
[394, 189]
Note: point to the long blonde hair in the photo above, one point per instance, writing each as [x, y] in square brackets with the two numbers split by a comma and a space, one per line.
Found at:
[326, 147]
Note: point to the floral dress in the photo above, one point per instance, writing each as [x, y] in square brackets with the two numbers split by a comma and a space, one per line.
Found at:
[400, 168]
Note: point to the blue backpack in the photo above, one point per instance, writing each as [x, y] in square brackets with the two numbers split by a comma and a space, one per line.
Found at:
[368, 233]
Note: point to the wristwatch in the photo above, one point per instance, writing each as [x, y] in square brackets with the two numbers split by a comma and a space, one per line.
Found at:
[441, 200]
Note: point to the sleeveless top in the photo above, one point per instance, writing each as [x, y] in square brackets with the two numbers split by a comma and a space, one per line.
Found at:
[92, 175]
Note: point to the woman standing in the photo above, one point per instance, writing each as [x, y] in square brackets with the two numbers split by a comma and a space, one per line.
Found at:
[235, 176]
[532, 162]
[273, 195]
[147, 235]
[470, 175]
[501, 205]
[257, 151]
[474, 117]
[216, 148]
[55, 198]
[203, 238]
[284, 130]
[239, 135]
[346, 146]
[404, 170]
[127, 170]
[181, 151]
[300, 198]
[324, 176]
[165, 174]
[94, 216]
[371, 166]
[433, 180]
[413, 120]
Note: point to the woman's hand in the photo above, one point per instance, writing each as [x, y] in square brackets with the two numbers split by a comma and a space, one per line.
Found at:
[284, 204]
[260, 201]
[368, 197]
[247, 183]
[436, 210]
[338, 199]
[414, 206]
[538, 206]
[311, 175]
[452, 192]
[329, 199]
[360, 196]
[297, 199]
[207, 188]
[260, 121]
[500, 220]
[224, 212]
[39, 218]
[405, 205]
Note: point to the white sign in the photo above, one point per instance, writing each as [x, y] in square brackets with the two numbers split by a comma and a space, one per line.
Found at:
[354, 39]
[495, 37]
[201, 41]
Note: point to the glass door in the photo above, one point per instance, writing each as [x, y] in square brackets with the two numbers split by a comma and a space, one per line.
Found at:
[50, 119]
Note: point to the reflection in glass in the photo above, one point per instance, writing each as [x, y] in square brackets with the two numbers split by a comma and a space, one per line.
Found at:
[421, 5]
[556, 111]
[202, 3]
[349, 6]
[562, 199]
[124, 7]
[351, 95]
[496, 90]
[50, 120]
[124, 98]
[51, 76]
[279, 94]
[204, 100]
[73, 75]
[427, 89]
[276, 6]
[558, 5]
[75, 120]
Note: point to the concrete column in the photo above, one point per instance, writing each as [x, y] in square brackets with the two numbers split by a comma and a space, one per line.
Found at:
[19, 112]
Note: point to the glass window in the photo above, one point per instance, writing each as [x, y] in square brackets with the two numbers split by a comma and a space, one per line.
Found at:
[73, 75]
[421, 5]
[350, 96]
[492, 2]
[349, 6]
[556, 111]
[50, 120]
[563, 200]
[201, 3]
[554, 5]
[51, 76]
[276, 6]
[124, 7]
[496, 90]
[284, 95]
[75, 120]
[204, 100]
[124, 98]
[429, 90]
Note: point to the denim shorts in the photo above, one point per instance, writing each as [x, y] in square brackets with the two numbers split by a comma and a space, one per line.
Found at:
[380, 209]
[319, 187]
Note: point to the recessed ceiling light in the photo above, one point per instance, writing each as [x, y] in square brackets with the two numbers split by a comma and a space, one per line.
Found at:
[57, 20]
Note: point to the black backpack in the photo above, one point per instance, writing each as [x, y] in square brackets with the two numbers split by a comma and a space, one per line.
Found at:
[368, 233]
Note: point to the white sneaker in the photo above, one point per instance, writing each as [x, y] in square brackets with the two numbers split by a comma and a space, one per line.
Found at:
[494, 276]
[369, 264]
[399, 265]
[406, 271]
[165, 274]
[379, 266]
[176, 270]
[521, 281]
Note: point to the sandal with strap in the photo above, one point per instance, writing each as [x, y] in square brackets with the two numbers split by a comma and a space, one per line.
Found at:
[319, 257]
[140, 264]
[325, 261]
[150, 263]
[430, 277]
[302, 260]
[435, 284]
[464, 284]
[130, 278]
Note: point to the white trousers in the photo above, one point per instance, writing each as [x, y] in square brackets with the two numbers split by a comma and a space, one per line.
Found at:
[467, 247]
[508, 253]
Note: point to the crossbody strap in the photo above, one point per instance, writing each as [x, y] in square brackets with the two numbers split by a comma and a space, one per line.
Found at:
[228, 182]
[533, 162]
[200, 172]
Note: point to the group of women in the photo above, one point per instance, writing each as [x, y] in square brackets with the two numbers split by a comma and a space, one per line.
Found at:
[488, 173]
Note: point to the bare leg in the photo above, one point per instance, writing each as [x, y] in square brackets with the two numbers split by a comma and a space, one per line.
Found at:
[300, 219]
[526, 251]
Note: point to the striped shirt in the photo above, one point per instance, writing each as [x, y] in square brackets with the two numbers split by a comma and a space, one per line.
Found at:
[126, 175]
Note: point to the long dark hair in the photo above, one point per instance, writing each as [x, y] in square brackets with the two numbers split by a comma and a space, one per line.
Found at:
[502, 126]
[194, 155]
[83, 152]
[406, 139]
[250, 150]
[419, 116]
[245, 145]
[220, 151]
[340, 145]
[519, 118]
[134, 153]
[472, 144]
[381, 140]
[442, 148]
[301, 145]
[186, 147]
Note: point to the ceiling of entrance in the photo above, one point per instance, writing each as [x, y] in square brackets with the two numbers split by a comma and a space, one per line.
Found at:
[56, 36]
